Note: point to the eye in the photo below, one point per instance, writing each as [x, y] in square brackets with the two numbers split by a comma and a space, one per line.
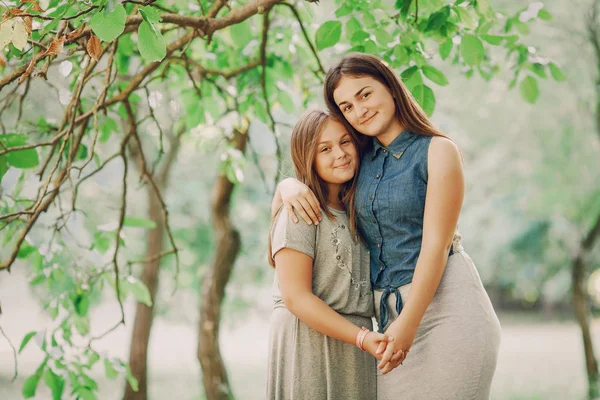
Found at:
[365, 95]
[345, 141]
[347, 108]
[324, 149]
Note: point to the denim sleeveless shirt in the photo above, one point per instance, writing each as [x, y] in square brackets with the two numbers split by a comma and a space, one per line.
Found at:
[390, 204]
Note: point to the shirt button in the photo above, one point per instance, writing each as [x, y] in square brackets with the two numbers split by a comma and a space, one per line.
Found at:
[384, 150]
[377, 176]
[379, 245]
[370, 197]
[374, 221]
[381, 268]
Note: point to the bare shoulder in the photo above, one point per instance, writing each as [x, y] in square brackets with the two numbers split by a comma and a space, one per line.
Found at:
[444, 153]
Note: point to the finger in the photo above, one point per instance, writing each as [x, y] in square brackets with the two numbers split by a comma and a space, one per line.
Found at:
[291, 213]
[387, 355]
[302, 212]
[309, 210]
[315, 205]
[381, 347]
[397, 357]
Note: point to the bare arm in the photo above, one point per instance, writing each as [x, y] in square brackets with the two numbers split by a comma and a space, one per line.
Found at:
[445, 192]
[294, 273]
[293, 194]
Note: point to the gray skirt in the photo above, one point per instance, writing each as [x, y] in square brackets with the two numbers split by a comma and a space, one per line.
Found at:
[454, 354]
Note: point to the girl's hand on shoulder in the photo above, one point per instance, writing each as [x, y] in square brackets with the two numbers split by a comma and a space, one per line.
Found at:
[296, 195]
[373, 341]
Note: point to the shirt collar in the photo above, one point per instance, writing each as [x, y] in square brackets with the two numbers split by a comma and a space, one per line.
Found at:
[398, 145]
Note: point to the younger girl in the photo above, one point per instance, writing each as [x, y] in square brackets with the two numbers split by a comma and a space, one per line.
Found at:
[322, 292]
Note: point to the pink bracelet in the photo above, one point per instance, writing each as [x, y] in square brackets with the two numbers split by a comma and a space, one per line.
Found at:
[360, 337]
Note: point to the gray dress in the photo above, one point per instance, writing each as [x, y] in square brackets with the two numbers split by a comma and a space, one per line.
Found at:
[303, 363]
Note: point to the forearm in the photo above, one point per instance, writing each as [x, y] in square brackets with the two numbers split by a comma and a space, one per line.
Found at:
[315, 313]
[428, 274]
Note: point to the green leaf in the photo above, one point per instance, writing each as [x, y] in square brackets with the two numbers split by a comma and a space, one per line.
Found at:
[556, 72]
[22, 159]
[471, 49]
[89, 382]
[109, 369]
[139, 290]
[400, 56]
[438, 19]
[108, 27]
[425, 97]
[85, 394]
[360, 36]
[135, 222]
[150, 22]
[151, 14]
[93, 359]
[55, 383]
[545, 15]
[352, 26]
[493, 39]
[30, 386]
[3, 167]
[466, 17]
[344, 10]
[101, 242]
[286, 101]
[445, 48]
[152, 46]
[412, 77]
[26, 340]
[483, 7]
[25, 250]
[81, 303]
[133, 382]
[434, 75]
[522, 27]
[328, 34]
[82, 324]
[383, 37]
[241, 33]
[529, 89]
[538, 69]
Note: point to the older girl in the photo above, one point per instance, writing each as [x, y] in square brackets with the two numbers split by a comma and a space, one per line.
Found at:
[323, 302]
[428, 294]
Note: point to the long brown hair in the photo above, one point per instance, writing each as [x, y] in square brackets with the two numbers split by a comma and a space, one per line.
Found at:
[408, 111]
[304, 141]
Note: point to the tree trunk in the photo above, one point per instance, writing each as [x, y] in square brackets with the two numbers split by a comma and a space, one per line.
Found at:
[580, 298]
[581, 307]
[138, 354]
[228, 244]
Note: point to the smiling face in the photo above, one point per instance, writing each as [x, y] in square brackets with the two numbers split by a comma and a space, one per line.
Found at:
[368, 106]
[336, 158]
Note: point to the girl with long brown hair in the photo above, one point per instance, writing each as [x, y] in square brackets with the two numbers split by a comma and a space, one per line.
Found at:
[323, 302]
[428, 293]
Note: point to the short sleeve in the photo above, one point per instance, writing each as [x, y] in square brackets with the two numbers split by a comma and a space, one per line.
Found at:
[288, 235]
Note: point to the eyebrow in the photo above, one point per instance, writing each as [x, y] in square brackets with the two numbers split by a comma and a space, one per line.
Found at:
[355, 94]
[329, 141]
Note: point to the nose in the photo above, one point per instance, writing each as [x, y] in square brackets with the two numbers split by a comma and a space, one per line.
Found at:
[360, 110]
[339, 152]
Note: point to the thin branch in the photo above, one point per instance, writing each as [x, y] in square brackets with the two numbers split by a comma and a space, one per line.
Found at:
[16, 373]
[306, 37]
[144, 174]
[263, 82]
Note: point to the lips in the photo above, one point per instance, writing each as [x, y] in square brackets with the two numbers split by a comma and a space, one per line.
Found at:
[344, 166]
[366, 121]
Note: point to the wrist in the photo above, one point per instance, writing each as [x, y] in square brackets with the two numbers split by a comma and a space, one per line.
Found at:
[360, 337]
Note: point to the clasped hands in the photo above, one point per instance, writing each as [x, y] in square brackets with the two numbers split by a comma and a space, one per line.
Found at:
[390, 348]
